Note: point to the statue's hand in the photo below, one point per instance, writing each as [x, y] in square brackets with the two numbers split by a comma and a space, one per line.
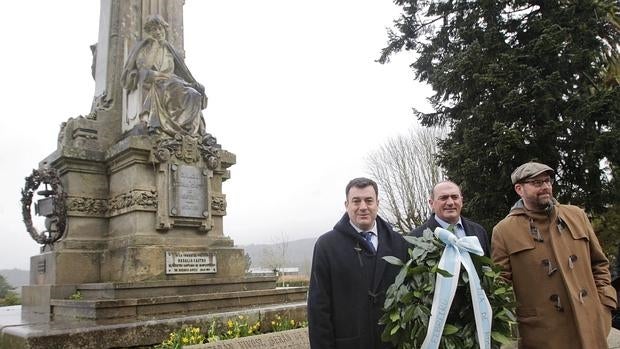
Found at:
[159, 76]
[198, 87]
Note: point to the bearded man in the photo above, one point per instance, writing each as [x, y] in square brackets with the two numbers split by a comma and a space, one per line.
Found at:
[559, 272]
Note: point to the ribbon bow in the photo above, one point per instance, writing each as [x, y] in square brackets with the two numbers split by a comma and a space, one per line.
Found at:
[455, 253]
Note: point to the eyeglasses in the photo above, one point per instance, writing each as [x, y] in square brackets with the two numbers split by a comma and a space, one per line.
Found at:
[539, 182]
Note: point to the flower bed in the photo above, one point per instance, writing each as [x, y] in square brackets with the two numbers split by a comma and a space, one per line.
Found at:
[233, 328]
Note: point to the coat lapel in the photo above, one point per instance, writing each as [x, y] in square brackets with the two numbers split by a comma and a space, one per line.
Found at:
[385, 249]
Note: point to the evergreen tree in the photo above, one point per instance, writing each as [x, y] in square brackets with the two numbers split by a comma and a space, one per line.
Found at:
[5, 287]
[517, 81]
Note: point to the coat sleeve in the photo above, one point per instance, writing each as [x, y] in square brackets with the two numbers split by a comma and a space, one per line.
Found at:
[600, 269]
[500, 255]
[320, 325]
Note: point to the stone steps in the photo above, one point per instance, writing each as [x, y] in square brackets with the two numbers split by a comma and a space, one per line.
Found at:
[111, 300]
[122, 290]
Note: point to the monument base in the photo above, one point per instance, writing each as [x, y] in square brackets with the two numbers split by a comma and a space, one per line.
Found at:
[21, 330]
[99, 301]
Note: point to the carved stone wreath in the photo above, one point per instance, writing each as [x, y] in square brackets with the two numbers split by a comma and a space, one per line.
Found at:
[188, 149]
[59, 215]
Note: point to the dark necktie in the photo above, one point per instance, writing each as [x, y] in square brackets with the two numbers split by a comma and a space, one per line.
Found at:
[368, 238]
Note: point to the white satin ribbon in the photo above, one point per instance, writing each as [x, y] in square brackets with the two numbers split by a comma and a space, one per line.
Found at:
[455, 253]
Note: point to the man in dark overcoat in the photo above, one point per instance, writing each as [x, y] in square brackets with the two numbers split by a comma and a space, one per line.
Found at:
[349, 276]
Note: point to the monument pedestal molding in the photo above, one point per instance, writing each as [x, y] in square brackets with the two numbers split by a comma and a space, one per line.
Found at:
[32, 331]
[137, 186]
[117, 300]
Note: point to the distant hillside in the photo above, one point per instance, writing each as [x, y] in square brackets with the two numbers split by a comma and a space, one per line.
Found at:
[298, 254]
[16, 277]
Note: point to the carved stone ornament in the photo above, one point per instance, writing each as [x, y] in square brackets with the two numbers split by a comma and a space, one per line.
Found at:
[135, 199]
[90, 206]
[218, 203]
[55, 210]
[141, 198]
[188, 149]
[160, 87]
[100, 103]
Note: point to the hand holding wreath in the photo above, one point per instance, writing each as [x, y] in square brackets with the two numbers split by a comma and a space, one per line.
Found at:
[409, 300]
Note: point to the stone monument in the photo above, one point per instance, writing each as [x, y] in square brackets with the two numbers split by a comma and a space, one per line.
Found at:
[134, 228]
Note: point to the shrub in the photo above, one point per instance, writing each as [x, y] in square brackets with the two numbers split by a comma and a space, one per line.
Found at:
[11, 298]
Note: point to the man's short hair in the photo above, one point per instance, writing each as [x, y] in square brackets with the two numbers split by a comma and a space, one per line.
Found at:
[432, 192]
[362, 182]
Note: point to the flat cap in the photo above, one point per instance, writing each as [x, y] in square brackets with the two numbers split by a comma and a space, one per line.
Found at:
[529, 169]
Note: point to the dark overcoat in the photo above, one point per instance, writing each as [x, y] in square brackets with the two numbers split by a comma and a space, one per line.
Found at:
[347, 287]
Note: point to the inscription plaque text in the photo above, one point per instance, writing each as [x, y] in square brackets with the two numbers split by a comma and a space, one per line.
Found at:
[189, 192]
[190, 262]
[291, 339]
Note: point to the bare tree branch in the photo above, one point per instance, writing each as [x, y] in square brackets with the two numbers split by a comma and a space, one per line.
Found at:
[274, 256]
[405, 168]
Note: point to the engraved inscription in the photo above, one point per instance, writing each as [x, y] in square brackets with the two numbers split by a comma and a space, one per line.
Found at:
[41, 266]
[292, 339]
[189, 192]
[190, 263]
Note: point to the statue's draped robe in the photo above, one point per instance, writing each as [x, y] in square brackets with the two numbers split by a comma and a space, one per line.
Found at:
[174, 103]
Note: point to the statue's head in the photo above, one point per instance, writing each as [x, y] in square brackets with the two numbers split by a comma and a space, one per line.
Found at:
[156, 26]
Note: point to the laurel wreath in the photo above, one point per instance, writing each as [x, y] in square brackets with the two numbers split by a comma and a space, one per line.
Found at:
[409, 300]
[50, 177]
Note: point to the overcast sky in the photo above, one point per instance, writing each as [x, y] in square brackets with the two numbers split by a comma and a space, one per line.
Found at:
[294, 91]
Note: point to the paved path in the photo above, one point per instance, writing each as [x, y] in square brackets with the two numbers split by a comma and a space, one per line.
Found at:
[614, 339]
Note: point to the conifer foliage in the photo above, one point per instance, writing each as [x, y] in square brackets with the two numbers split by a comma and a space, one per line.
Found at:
[518, 81]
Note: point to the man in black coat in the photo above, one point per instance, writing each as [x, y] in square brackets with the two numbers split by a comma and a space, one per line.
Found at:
[349, 276]
[447, 202]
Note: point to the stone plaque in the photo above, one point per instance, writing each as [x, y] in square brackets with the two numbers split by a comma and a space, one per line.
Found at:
[190, 263]
[293, 339]
[44, 207]
[188, 191]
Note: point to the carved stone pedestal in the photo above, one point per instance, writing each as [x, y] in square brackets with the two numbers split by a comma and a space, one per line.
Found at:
[132, 209]
[134, 238]
[144, 242]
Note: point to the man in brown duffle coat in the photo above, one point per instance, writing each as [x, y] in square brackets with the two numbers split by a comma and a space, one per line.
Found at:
[558, 270]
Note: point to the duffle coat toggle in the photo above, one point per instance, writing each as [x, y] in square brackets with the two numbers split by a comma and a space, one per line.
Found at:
[571, 261]
[582, 293]
[535, 232]
[550, 268]
[561, 224]
[558, 304]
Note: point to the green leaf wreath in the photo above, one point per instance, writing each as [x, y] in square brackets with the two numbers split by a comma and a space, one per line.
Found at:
[408, 301]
